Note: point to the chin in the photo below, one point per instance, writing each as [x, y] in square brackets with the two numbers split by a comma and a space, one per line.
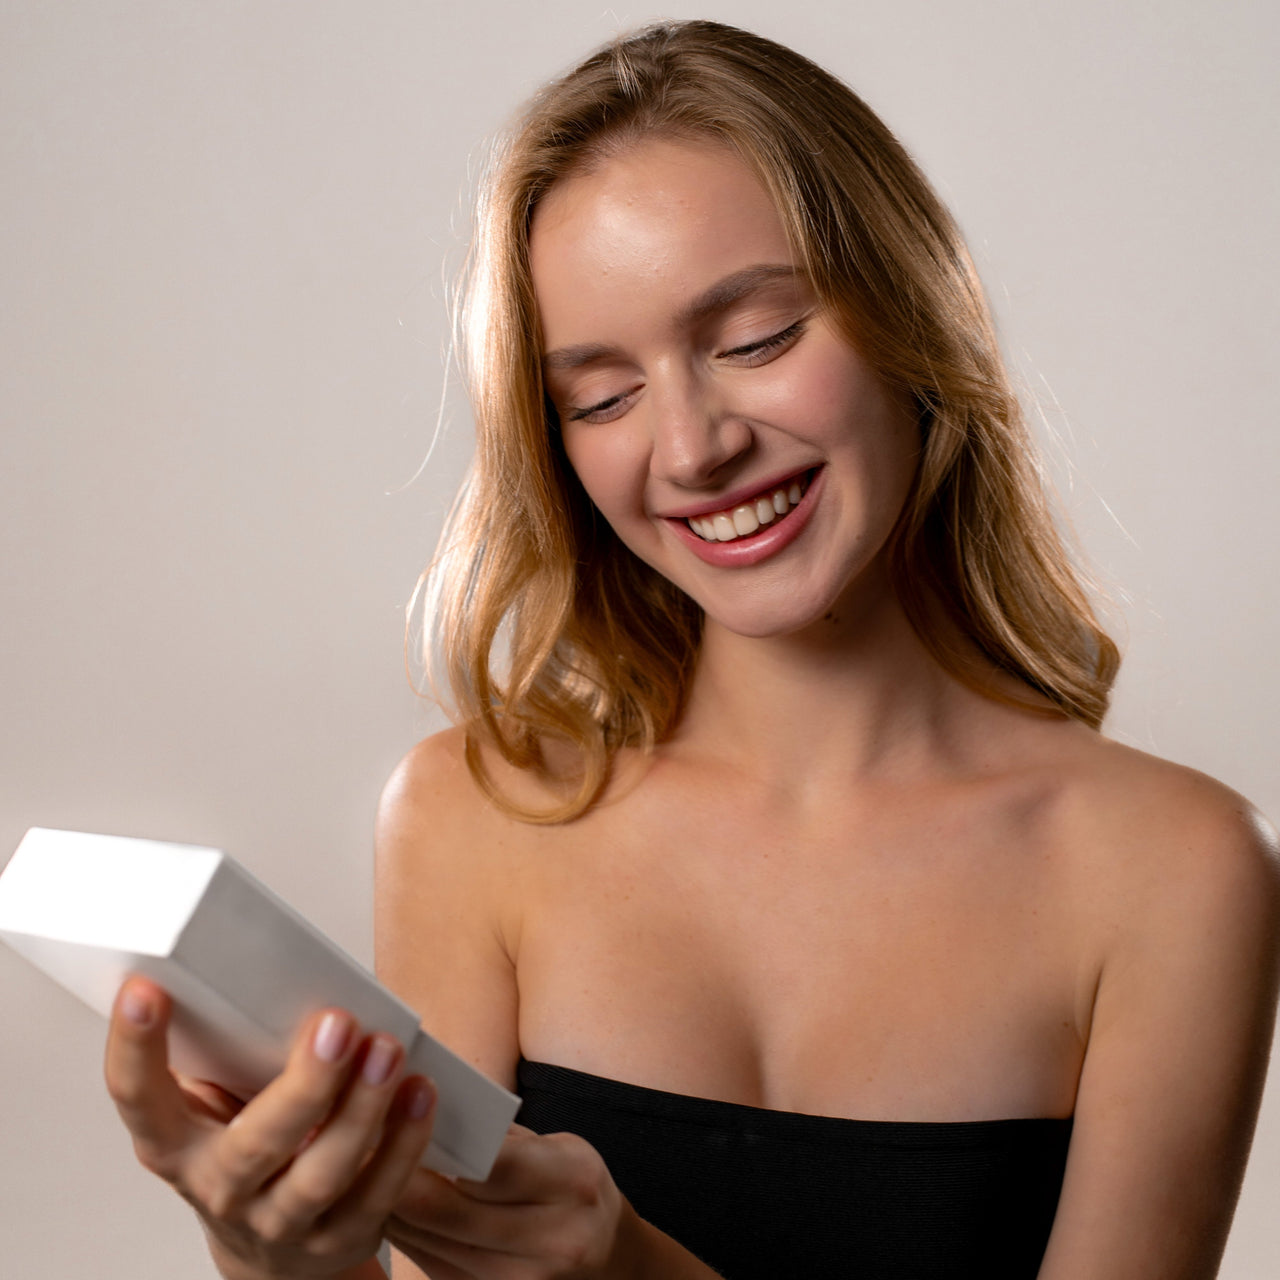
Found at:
[797, 605]
[768, 623]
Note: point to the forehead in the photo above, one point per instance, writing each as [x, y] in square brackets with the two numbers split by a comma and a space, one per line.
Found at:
[650, 226]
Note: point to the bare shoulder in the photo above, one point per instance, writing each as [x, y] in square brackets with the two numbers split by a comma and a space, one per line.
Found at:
[429, 837]
[1176, 896]
[429, 787]
[1174, 884]
[1164, 829]
[434, 784]
[446, 906]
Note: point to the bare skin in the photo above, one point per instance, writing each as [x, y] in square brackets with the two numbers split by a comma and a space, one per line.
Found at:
[1089, 932]
[300, 1180]
[848, 885]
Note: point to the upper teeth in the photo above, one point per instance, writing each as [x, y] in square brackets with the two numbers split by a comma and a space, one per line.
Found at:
[738, 522]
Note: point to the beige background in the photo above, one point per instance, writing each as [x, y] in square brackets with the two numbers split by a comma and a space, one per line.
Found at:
[222, 230]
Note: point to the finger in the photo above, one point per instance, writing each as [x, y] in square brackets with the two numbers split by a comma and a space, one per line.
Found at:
[269, 1131]
[436, 1211]
[363, 1211]
[136, 1068]
[209, 1099]
[408, 1131]
[324, 1171]
[528, 1163]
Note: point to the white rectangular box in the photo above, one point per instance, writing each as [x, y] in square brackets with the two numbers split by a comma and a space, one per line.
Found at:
[244, 969]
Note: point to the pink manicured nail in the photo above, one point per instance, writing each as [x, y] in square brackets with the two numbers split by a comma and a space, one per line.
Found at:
[137, 1008]
[420, 1099]
[331, 1037]
[380, 1061]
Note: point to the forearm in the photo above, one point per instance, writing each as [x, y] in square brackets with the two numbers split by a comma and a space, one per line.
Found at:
[371, 1270]
[652, 1255]
[233, 1268]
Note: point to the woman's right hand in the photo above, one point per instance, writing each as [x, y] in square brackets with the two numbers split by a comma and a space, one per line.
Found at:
[301, 1180]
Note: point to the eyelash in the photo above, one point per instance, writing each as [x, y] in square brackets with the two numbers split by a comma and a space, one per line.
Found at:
[768, 345]
[756, 354]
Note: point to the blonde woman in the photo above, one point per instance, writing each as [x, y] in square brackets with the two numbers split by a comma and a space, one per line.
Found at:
[780, 863]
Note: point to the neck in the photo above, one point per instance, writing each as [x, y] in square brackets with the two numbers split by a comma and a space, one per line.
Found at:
[856, 695]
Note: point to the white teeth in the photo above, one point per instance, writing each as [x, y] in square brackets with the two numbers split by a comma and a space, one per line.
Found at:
[725, 526]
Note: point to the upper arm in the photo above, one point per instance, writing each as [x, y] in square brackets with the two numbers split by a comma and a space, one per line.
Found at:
[441, 907]
[445, 917]
[1177, 1051]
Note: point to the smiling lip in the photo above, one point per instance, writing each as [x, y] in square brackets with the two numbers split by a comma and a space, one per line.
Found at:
[750, 550]
[736, 497]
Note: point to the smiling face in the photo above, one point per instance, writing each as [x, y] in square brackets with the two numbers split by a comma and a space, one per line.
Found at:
[731, 436]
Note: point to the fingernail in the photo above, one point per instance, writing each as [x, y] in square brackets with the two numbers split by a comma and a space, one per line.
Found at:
[331, 1037]
[421, 1097]
[137, 1008]
[380, 1061]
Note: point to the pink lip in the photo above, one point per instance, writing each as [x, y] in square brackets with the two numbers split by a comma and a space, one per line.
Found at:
[736, 497]
[757, 546]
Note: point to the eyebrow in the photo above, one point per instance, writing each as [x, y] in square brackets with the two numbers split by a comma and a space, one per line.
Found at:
[719, 297]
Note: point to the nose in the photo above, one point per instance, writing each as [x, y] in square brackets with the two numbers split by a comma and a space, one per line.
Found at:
[697, 436]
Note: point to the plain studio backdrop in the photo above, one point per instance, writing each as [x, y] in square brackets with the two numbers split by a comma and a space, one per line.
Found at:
[226, 228]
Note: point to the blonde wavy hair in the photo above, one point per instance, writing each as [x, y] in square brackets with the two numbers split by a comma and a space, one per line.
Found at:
[546, 628]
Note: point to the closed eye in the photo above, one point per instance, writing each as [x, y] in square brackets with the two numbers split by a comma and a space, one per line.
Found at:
[602, 412]
[754, 353]
[749, 356]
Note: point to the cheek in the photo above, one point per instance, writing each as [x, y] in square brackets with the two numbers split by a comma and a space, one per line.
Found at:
[827, 394]
[609, 462]
[833, 400]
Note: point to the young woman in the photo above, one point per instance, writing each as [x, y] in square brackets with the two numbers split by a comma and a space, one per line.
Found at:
[780, 863]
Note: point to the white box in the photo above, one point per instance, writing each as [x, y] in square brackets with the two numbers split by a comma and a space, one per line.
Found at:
[244, 969]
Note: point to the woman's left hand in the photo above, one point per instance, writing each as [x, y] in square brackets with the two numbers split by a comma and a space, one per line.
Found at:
[549, 1210]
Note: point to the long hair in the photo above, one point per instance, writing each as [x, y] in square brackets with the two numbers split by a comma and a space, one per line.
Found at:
[597, 648]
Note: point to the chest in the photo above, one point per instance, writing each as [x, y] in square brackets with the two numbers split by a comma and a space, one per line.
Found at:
[890, 961]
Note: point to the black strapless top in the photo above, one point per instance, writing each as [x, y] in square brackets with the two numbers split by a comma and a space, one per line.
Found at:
[776, 1195]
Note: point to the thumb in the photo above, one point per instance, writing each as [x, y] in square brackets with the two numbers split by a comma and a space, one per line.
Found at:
[147, 1096]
